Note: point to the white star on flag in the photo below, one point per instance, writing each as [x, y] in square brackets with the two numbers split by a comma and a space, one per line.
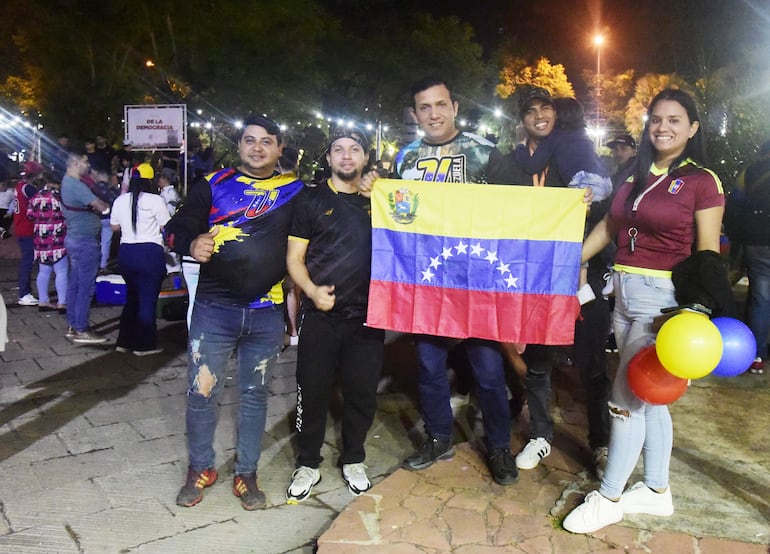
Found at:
[446, 253]
[435, 262]
[461, 248]
[427, 275]
[511, 281]
[491, 256]
[476, 249]
[503, 268]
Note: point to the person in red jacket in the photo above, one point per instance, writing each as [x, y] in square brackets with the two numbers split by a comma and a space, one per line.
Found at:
[24, 230]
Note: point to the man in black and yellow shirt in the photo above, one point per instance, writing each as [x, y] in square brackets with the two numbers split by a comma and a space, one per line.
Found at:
[235, 222]
[329, 258]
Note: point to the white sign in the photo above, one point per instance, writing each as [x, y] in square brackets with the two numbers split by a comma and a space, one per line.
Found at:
[156, 127]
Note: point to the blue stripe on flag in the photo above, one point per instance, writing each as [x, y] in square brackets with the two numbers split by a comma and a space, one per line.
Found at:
[495, 265]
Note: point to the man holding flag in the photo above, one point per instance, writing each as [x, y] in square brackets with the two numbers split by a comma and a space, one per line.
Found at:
[444, 154]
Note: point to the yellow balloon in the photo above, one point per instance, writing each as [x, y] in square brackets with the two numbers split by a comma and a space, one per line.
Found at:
[689, 346]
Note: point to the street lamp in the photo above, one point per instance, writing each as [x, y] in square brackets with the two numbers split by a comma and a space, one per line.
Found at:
[598, 41]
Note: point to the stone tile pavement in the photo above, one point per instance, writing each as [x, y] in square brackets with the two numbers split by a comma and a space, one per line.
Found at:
[92, 455]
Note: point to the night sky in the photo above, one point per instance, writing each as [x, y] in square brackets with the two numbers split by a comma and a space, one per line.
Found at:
[658, 36]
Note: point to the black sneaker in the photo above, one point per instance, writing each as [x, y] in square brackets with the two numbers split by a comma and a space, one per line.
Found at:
[502, 466]
[430, 452]
[245, 486]
[192, 491]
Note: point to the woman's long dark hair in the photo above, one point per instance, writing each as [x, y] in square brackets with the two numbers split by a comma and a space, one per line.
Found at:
[136, 186]
[694, 149]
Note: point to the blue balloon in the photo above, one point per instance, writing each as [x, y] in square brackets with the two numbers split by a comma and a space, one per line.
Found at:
[738, 347]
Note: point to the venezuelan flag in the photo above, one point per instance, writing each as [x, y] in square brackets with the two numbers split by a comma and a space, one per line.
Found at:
[487, 261]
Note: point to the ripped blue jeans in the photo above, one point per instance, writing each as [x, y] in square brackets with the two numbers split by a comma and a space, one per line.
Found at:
[216, 332]
[635, 426]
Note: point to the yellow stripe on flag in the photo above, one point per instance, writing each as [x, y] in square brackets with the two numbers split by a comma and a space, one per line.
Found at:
[479, 211]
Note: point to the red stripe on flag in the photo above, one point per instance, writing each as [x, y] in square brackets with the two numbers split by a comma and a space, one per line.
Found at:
[460, 313]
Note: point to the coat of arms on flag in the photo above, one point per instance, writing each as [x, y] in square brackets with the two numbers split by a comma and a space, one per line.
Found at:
[498, 262]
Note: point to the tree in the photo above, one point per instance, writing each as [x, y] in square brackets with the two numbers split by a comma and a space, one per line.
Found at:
[645, 89]
[616, 89]
[516, 72]
[736, 116]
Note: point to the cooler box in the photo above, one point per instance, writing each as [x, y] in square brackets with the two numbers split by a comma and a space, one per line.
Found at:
[172, 305]
[110, 289]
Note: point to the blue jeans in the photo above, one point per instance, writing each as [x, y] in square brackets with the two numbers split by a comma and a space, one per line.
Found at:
[758, 265]
[143, 267]
[61, 268]
[105, 243]
[84, 265]
[491, 392]
[216, 331]
[25, 265]
[637, 427]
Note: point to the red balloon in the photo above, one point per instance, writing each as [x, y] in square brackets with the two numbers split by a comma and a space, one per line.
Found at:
[650, 381]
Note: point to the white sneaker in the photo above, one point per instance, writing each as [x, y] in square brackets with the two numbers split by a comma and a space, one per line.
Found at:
[302, 482]
[600, 461]
[28, 300]
[641, 499]
[457, 401]
[355, 477]
[534, 451]
[148, 352]
[595, 512]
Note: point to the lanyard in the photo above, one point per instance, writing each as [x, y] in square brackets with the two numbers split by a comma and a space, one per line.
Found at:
[538, 179]
[659, 180]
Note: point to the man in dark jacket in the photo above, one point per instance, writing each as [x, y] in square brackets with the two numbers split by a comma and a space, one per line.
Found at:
[235, 222]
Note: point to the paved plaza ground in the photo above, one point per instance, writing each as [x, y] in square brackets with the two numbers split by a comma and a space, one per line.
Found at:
[92, 454]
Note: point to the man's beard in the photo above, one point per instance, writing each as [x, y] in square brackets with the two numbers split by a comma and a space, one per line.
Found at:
[348, 175]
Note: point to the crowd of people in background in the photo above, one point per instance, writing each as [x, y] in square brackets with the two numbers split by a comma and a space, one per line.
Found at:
[260, 254]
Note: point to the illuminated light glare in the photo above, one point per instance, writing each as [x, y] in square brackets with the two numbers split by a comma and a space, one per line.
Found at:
[199, 111]
[340, 122]
[208, 125]
[385, 128]
[149, 63]
[283, 127]
[498, 113]
[238, 124]
[369, 126]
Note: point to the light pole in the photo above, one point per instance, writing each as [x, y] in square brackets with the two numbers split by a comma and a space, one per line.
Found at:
[598, 41]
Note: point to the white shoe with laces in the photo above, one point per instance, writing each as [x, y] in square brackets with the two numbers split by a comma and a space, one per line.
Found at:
[534, 451]
[303, 480]
[595, 512]
[355, 477]
[641, 499]
[28, 300]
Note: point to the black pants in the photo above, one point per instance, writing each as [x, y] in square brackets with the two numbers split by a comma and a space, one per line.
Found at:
[589, 357]
[591, 332]
[344, 349]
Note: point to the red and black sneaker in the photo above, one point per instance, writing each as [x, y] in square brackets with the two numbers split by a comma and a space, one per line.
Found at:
[757, 367]
[192, 491]
[245, 486]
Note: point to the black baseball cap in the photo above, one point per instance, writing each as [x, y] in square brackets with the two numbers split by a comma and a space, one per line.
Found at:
[352, 133]
[532, 92]
[626, 140]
